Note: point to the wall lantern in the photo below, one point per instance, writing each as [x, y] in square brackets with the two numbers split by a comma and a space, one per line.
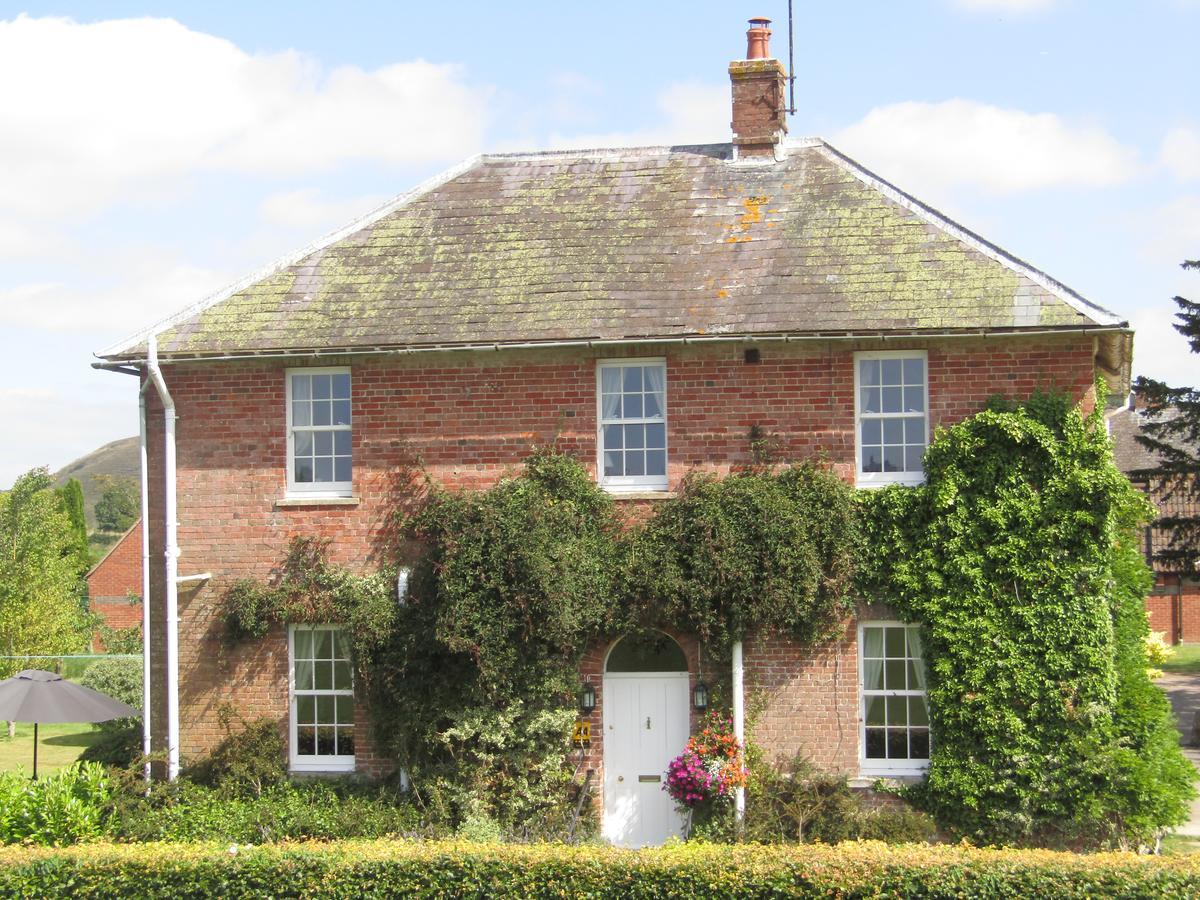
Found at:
[700, 696]
[402, 585]
[587, 698]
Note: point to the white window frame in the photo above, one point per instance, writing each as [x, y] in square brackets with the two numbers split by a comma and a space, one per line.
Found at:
[884, 767]
[631, 483]
[323, 488]
[312, 762]
[879, 479]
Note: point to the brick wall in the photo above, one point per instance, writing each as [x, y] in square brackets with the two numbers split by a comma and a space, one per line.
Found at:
[116, 579]
[471, 417]
[1175, 610]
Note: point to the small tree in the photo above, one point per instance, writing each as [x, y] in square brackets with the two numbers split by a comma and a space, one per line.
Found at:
[1172, 433]
[118, 506]
[39, 607]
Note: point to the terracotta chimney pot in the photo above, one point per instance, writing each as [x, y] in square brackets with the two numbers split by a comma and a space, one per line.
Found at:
[758, 39]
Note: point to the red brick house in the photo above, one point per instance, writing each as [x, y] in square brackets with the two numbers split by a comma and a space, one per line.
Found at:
[1173, 606]
[642, 308]
[115, 584]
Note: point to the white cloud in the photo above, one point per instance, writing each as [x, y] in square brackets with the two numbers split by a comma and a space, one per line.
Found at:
[306, 209]
[689, 113]
[936, 146]
[144, 293]
[1159, 351]
[1170, 233]
[125, 108]
[1009, 6]
[1180, 153]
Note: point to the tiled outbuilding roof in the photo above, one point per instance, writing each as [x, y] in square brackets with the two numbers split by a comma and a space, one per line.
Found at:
[612, 245]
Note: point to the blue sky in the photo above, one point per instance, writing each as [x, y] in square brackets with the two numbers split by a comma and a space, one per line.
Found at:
[157, 151]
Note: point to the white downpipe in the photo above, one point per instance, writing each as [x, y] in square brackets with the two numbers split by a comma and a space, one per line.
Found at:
[171, 553]
[145, 469]
[739, 721]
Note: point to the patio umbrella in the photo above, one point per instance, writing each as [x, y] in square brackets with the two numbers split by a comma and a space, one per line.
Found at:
[36, 696]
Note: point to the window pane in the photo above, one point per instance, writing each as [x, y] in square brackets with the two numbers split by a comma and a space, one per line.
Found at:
[323, 675]
[322, 643]
[306, 741]
[341, 412]
[875, 744]
[870, 400]
[635, 437]
[914, 371]
[302, 639]
[610, 380]
[304, 470]
[656, 437]
[345, 710]
[893, 459]
[891, 369]
[301, 387]
[341, 443]
[613, 437]
[635, 462]
[341, 676]
[653, 407]
[322, 443]
[325, 745]
[303, 443]
[321, 387]
[633, 379]
[325, 710]
[897, 743]
[305, 711]
[892, 400]
[895, 642]
[872, 431]
[614, 463]
[321, 412]
[656, 462]
[323, 471]
[913, 457]
[872, 459]
[914, 399]
[304, 675]
[875, 708]
[868, 372]
[918, 713]
[301, 413]
[341, 386]
[633, 406]
[897, 711]
[893, 675]
[914, 431]
[873, 641]
[918, 743]
[893, 431]
[345, 741]
[873, 674]
[341, 469]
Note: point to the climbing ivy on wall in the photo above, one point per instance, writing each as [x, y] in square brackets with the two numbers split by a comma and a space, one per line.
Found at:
[1016, 557]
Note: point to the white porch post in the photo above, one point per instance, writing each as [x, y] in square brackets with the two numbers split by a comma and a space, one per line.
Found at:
[739, 722]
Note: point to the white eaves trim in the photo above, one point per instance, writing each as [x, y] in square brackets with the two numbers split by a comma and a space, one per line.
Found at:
[1097, 314]
[292, 258]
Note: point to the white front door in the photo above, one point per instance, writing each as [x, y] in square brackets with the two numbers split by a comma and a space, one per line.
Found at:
[645, 727]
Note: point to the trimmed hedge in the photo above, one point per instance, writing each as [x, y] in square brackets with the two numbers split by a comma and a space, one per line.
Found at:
[388, 869]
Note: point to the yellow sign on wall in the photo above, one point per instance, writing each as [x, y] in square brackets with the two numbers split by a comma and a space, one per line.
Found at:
[582, 735]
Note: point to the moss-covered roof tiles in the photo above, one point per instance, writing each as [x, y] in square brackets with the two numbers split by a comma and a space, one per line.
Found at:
[627, 244]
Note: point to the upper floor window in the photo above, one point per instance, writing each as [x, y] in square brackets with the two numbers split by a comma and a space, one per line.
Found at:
[891, 418]
[322, 699]
[632, 431]
[318, 417]
[895, 712]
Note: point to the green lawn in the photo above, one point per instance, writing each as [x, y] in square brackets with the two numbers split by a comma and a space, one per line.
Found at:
[1186, 658]
[58, 746]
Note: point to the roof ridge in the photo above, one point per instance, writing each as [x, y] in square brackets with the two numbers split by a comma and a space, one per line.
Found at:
[993, 251]
[292, 258]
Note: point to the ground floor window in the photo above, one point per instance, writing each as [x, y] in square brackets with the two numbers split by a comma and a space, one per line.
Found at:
[321, 699]
[895, 712]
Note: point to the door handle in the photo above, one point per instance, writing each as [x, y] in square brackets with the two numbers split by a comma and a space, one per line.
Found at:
[620, 778]
[647, 723]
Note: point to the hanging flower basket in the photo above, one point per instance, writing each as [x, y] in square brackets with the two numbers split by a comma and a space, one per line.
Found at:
[712, 766]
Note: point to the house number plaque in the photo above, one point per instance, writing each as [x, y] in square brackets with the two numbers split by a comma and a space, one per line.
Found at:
[582, 735]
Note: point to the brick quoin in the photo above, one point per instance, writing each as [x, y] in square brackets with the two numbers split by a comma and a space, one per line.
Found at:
[471, 417]
[115, 584]
[1174, 609]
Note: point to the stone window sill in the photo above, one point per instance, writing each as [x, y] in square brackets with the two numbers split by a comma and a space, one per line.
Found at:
[868, 780]
[299, 502]
[643, 495]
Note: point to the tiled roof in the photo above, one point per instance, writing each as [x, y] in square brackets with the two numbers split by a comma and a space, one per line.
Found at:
[630, 244]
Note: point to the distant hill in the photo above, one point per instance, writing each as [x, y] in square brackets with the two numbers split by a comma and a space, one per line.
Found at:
[120, 459]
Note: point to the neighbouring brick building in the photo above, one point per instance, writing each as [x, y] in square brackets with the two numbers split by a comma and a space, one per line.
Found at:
[115, 584]
[641, 309]
[1173, 606]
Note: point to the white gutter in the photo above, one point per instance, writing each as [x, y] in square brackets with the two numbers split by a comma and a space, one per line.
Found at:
[145, 471]
[617, 342]
[739, 722]
[171, 554]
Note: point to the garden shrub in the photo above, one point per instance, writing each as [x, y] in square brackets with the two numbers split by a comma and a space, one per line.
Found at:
[115, 748]
[1015, 558]
[118, 677]
[427, 869]
[246, 762]
[69, 806]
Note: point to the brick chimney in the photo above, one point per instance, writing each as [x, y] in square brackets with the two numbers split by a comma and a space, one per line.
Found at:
[758, 82]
